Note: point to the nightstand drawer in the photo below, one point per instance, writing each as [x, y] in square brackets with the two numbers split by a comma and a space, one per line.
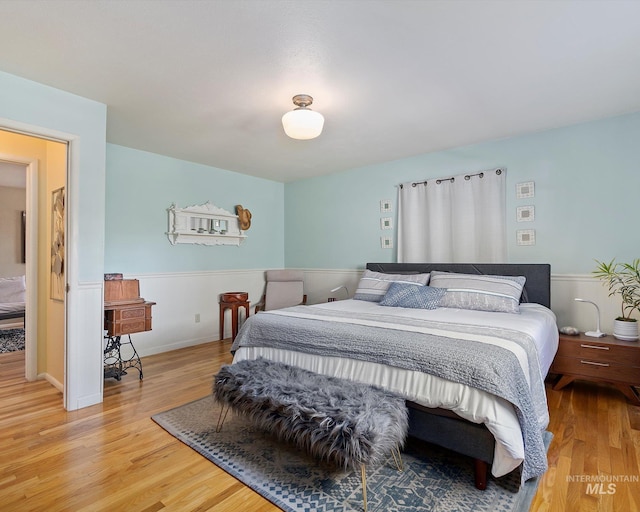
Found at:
[602, 352]
[596, 367]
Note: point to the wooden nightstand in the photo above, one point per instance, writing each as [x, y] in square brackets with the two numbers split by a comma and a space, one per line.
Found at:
[599, 359]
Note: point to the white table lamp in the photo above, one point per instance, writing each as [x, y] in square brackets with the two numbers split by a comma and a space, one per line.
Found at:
[597, 333]
[339, 288]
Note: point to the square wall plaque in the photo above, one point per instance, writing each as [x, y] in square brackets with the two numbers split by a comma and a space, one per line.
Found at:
[386, 242]
[526, 237]
[386, 223]
[525, 213]
[526, 189]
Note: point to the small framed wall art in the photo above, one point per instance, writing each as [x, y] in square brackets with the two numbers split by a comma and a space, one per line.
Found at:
[525, 189]
[385, 205]
[57, 244]
[525, 213]
[23, 237]
[386, 223]
[386, 242]
[526, 237]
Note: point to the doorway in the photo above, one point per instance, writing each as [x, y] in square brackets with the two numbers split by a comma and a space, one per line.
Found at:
[13, 203]
[45, 162]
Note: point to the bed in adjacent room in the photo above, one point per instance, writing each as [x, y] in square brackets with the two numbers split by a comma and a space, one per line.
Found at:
[470, 361]
[12, 297]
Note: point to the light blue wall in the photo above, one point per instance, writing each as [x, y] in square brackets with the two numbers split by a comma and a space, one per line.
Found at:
[141, 186]
[42, 110]
[41, 107]
[587, 186]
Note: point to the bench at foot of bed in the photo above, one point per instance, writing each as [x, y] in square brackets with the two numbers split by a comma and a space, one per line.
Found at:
[349, 424]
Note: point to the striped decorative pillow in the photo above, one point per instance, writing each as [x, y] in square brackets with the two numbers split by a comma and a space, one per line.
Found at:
[479, 292]
[373, 285]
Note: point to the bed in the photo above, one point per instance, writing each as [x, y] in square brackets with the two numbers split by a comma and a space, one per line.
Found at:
[473, 379]
[12, 297]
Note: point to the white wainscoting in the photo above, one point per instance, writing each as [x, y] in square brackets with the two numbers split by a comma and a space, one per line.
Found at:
[318, 284]
[182, 296]
[84, 361]
[566, 287]
[179, 297]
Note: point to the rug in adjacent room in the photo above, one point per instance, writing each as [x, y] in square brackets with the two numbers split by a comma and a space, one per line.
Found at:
[11, 340]
[434, 479]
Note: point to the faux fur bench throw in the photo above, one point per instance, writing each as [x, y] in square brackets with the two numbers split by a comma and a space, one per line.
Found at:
[346, 423]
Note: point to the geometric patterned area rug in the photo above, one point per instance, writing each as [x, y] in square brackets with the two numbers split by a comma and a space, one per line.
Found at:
[11, 340]
[433, 479]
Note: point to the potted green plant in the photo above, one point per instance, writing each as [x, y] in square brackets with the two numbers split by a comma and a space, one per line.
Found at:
[623, 279]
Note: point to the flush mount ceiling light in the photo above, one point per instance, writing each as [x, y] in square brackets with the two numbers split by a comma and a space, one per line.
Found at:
[303, 123]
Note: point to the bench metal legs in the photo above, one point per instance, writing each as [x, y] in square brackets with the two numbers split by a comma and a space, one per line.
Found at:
[363, 472]
[223, 415]
[397, 458]
[396, 453]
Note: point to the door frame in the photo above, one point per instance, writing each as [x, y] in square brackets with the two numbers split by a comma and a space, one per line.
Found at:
[31, 267]
[71, 226]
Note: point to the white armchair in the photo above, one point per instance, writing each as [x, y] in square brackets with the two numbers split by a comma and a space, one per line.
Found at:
[284, 288]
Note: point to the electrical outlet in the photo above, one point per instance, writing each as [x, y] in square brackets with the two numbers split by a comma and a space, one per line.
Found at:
[197, 318]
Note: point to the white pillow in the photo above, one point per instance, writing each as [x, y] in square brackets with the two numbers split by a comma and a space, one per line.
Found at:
[479, 292]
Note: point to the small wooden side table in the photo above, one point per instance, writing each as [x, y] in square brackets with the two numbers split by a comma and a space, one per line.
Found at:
[233, 301]
[599, 359]
[123, 318]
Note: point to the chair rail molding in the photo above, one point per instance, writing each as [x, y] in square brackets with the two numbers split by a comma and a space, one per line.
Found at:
[204, 224]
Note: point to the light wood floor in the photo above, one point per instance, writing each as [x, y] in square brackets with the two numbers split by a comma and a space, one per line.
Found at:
[113, 457]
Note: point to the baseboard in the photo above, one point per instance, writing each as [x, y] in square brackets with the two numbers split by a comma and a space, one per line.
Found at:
[51, 380]
[149, 351]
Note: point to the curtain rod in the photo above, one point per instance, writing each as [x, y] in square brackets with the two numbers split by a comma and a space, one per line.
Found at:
[467, 177]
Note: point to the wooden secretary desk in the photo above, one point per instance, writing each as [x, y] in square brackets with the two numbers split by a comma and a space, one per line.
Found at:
[125, 313]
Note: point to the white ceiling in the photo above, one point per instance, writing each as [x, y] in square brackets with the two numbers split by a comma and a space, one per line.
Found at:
[208, 81]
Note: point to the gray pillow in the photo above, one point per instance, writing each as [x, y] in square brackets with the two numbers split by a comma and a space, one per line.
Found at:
[479, 292]
[417, 296]
[373, 285]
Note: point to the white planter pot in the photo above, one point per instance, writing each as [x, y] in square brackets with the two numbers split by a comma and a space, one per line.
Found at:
[627, 331]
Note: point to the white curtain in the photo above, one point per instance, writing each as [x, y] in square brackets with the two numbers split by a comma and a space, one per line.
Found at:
[459, 219]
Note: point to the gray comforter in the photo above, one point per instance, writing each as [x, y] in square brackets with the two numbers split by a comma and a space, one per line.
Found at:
[404, 343]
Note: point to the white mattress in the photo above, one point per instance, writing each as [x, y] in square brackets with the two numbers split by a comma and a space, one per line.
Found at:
[11, 307]
[12, 295]
[12, 289]
[469, 403]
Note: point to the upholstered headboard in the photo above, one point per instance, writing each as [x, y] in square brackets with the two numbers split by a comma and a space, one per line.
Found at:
[537, 287]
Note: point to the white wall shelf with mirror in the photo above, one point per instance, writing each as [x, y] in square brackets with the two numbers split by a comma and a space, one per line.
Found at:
[203, 224]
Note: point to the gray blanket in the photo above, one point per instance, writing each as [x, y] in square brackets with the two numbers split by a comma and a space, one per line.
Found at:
[488, 367]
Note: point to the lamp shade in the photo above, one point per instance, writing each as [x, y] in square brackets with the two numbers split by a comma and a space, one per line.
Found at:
[302, 123]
